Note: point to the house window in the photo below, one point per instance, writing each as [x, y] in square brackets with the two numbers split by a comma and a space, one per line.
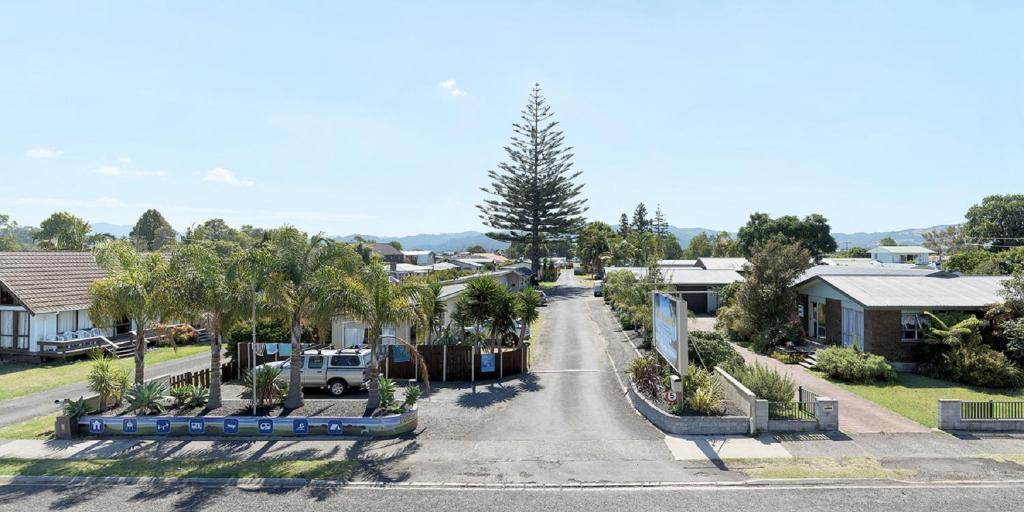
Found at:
[14, 329]
[818, 320]
[915, 326]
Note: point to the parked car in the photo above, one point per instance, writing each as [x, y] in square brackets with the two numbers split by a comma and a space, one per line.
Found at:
[598, 289]
[337, 371]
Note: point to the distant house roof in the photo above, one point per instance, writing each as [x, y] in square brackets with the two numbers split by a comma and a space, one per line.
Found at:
[444, 265]
[723, 263]
[686, 276]
[451, 290]
[468, 262]
[416, 253]
[385, 249]
[523, 267]
[490, 256]
[850, 262]
[969, 292]
[408, 268]
[878, 270]
[677, 263]
[47, 282]
[908, 250]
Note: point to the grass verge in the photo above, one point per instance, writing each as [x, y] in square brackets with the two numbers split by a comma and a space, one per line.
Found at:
[180, 468]
[535, 337]
[21, 379]
[40, 429]
[916, 396]
[817, 467]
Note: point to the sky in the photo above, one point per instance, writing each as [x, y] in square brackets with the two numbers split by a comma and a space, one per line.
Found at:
[384, 118]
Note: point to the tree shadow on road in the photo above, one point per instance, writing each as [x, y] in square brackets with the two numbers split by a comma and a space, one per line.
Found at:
[484, 396]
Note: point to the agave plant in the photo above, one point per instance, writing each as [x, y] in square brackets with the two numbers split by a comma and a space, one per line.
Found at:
[147, 398]
[108, 382]
[270, 387]
[75, 409]
[190, 396]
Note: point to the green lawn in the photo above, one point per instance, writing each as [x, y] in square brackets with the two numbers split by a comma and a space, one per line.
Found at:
[916, 396]
[180, 468]
[20, 379]
[40, 428]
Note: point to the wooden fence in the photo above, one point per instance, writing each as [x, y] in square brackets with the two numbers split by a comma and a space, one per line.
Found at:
[454, 363]
[202, 377]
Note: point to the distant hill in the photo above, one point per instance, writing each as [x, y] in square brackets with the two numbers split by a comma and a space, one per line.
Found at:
[436, 242]
[111, 229]
[913, 236]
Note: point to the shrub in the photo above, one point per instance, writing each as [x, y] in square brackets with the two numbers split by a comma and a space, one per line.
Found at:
[647, 374]
[770, 338]
[412, 395]
[766, 383]
[75, 409]
[387, 393]
[147, 398]
[270, 387]
[979, 366]
[851, 365]
[710, 349]
[108, 382]
[705, 399]
[190, 396]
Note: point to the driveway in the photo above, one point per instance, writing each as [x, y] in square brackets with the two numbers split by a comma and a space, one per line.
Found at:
[41, 404]
[856, 415]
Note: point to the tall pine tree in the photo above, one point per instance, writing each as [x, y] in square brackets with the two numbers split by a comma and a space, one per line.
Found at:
[660, 224]
[641, 223]
[623, 226]
[535, 200]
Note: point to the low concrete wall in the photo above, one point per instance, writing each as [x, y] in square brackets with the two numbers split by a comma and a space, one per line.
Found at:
[687, 425]
[738, 394]
[949, 419]
[155, 427]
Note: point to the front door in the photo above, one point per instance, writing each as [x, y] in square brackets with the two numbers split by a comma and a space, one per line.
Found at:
[817, 327]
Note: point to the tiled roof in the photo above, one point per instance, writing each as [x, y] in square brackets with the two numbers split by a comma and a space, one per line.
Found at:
[385, 249]
[46, 282]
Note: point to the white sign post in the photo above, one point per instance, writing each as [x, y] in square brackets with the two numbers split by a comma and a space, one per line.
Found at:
[671, 336]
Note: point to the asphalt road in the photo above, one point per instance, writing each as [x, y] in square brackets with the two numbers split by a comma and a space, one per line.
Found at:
[40, 404]
[163, 497]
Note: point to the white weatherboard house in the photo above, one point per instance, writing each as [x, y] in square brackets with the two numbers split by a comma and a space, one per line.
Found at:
[44, 303]
[913, 254]
[346, 332]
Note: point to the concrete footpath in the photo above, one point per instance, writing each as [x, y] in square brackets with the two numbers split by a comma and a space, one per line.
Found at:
[31, 406]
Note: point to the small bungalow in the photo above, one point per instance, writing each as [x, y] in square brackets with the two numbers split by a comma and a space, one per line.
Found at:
[423, 258]
[388, 253]
[44, 306]
[704, 285]
[403, 270]
[912, 254]
[883, 314]
[677, 263]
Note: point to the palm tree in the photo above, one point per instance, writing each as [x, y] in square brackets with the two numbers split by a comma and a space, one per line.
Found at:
[481, 293]
[527, 304]
[301, 272]
[135, 288]
[430, 309]
[372, 299]
[206, 287]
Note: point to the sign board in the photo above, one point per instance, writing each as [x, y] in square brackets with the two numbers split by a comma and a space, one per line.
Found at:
[230, 426]
[670, 331]
[130, 426]
[400, 354]
[300, 427]
[335, 428]
[486, 363]
[163, 426]
[196, 426]
[265, 426]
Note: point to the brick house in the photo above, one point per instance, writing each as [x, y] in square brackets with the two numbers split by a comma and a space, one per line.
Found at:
[883, 314]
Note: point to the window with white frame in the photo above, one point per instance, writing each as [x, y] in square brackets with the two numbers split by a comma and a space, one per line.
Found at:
[915, 326]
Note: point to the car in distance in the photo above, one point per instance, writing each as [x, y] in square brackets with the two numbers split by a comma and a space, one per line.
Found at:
[337, 371]
[598, 289]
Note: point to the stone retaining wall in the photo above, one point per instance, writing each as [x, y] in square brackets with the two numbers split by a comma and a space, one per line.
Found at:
[950, 419]
[687, 425]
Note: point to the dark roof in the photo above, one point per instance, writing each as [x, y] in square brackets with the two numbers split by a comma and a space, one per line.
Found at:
[46, 282]
[385, 249]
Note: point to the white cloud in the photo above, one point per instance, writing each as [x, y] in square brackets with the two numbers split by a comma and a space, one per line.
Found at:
[449, 85]
[124, 160]
[222, 175]
[109, 170]
[43, 153]
[151, 174]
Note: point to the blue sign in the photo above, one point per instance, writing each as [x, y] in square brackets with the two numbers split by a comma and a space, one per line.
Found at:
[163, 426]
[130, 425]
[334, 427]
[400, 354]
[300, 427]
[96, 426]
[265, 426]
[486, 362]
[230, 426]
[196, 426]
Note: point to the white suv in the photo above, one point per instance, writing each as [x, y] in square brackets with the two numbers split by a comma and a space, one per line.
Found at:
[337, 371]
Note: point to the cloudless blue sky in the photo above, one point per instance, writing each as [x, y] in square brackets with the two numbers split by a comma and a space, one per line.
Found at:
[338, 116]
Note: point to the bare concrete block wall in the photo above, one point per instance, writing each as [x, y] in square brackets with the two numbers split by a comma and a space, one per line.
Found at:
[826, 410]
[738, 394]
